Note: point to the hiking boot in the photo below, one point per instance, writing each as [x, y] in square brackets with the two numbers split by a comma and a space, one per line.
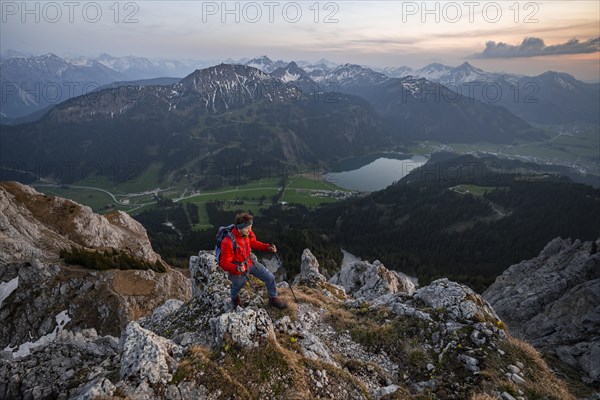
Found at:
[278, 303]
[237, 302]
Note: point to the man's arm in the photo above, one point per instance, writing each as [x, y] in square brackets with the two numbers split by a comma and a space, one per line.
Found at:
[257, 245]
[227, 256]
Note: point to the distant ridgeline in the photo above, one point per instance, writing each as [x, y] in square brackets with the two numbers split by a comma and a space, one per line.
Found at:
[230, 116]
[460, 217]
[225, 116]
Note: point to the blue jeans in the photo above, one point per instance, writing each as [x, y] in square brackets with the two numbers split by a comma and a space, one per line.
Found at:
[258, 270]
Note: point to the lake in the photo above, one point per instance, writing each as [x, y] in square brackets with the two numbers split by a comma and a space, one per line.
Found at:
[376, 174]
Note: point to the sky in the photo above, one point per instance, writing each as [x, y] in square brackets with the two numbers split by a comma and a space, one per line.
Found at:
[523, 37]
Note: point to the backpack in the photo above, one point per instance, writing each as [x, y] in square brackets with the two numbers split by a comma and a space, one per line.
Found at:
[224, 231]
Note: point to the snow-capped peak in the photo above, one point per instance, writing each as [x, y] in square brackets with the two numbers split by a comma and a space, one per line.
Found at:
[265, 64]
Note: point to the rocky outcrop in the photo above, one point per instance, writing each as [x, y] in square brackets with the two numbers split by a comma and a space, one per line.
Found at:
[33, 225]
[36, 285]
[162, 312]
[104, 300]
[373, 336]
[74, 365]
[553, 301]
[439, 339]
[146, 357]
[209, 282]
[244, 328]
[309, 270]
[462, 303]
[362, 279]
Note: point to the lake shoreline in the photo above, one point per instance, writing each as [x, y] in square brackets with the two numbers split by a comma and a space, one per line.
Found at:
[372, 174]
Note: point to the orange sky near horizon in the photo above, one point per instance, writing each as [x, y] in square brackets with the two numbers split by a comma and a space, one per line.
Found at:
[373, 33]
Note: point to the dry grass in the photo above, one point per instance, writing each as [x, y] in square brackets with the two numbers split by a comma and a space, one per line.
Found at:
[335, 291]
[337, 377]
[130, 283]
[571, 376]
[199, 368]
[292, 309]
[541, 382]
[269, 371]
[341, 318]
[312, 296]
[291, 352]
[55, 213]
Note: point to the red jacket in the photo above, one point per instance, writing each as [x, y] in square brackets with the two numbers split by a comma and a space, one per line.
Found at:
[229, 260]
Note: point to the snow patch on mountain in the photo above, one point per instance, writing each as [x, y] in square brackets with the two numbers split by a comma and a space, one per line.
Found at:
[25, 348]
[6, 288]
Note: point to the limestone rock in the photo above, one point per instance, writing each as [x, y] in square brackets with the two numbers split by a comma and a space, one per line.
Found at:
[33, 225]
[459, 300]
[309, 270]
[471, 363]
[50, 370]
[398, 305]
[104, 300]
[244, 328]
[553, 301]
[99, 387]
[362, 279]
[210, 285]
[34, 228]
[387, 390]
[507, 396]
[147, 356]
[313, 348]
[188, 390]
[169, 307]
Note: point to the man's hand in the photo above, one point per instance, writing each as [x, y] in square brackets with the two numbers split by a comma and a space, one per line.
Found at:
[273, 248]
[241, 268]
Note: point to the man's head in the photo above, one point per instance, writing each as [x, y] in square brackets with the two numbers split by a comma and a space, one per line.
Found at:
[243, 223]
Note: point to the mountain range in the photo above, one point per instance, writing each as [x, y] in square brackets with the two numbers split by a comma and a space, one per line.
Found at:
[225, 114]
[418, 109]
[548, 98]
[142, 68]
[241, 115]
[34, 83]
[29, 83]
[551, 98]
[449, 76]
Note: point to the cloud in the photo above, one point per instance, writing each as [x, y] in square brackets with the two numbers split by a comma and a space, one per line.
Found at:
[532, 47]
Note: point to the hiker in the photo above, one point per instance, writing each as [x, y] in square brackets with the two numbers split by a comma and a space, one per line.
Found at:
[235, 259]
